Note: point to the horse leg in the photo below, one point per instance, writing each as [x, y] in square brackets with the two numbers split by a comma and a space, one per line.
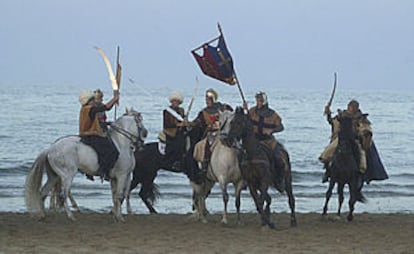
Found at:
[354, 193]
[223, 187]
[199, 200]
[259, 205]
[66, 182]
[118, 191]
[144, 198]
[340, 198]
[268, 200]
[289, 192]
[73, 202]
[238, 188]
[328, 196]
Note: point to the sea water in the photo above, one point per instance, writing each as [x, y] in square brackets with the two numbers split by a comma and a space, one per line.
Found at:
[34, 116]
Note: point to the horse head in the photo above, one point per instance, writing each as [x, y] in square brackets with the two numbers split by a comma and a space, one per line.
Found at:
[131, 126]
[238, 124]
[225, 119]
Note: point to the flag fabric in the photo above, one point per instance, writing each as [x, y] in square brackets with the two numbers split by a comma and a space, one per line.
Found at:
[216, 61]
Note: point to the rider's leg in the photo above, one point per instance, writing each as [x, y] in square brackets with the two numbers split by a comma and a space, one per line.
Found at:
[326, 158]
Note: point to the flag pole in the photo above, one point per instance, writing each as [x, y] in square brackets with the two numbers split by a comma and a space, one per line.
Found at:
[234, 72]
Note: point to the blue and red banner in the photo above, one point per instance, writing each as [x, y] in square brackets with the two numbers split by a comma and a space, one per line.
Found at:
[216, 61]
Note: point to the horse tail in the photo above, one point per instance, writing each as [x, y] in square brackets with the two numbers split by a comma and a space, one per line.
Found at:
[33, 195]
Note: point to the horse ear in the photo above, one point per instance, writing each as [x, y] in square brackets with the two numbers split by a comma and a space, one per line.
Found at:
[239, 110]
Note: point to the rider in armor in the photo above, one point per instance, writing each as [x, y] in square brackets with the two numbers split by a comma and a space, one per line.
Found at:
[93, 134]
[173, 123]
[359, 120]
[265, 122]
[207, 119]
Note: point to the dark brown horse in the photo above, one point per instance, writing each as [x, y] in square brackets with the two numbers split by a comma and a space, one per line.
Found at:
[257, 169]
[345, 168]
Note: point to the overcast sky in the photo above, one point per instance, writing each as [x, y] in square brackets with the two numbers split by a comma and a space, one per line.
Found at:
[291, 43]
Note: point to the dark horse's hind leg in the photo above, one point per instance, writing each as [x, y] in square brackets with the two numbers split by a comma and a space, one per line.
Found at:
[340, 197]
[289, 190]
[328, 196]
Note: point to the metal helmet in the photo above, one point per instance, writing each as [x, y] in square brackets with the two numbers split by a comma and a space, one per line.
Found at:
[262, 96]
[210, 93]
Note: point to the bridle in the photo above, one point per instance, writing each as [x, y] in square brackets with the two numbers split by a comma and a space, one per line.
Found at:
[136, 140]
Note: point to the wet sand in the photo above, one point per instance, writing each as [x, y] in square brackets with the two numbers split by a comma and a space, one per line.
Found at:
[170, 233]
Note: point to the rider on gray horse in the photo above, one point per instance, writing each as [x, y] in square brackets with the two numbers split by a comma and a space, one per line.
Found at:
[265, 122]
[207, 120]
[93, 134]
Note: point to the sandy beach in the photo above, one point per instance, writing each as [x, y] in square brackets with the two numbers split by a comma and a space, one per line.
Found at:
[169, 233]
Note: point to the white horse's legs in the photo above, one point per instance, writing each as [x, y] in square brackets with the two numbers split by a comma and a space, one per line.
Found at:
[127, 193]
[223, 187]
[66, 182]
[118, 186]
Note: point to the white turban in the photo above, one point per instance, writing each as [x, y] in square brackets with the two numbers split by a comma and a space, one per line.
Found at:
[175, 95]
[85, 96]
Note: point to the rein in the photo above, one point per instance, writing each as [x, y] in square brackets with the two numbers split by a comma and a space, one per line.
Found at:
[130, 136]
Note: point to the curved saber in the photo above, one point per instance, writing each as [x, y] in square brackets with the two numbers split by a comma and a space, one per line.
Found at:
[109, 67]
[333, 90]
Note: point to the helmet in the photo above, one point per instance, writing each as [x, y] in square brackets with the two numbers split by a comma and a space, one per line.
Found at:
[85, 96]
[262, 96]
[354, 104]
[175, 95]
[210, 93]
[98, 93]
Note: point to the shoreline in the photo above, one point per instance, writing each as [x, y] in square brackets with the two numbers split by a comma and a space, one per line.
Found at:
[178, 233]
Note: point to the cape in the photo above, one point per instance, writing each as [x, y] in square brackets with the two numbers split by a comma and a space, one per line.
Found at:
[375, 168]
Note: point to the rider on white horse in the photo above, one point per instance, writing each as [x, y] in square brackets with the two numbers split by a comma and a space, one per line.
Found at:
[92, 133]
[207, 119]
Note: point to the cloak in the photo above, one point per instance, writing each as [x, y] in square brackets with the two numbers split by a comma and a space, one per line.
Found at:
[375, 168]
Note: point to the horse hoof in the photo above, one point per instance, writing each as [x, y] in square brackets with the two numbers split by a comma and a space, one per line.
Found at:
[204, 221]
[350, 218]
[224, 221]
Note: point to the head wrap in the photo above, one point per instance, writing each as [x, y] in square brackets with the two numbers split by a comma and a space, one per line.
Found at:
[175, 95]
[210, 93]
[85, 96]
[262, 96]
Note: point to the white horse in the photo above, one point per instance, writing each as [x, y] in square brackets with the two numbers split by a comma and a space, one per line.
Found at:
[67, 155]
[223, 168]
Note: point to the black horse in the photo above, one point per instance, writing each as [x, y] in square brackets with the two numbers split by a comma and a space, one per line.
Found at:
[257, 168]
[149, 161]
[345, 168]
